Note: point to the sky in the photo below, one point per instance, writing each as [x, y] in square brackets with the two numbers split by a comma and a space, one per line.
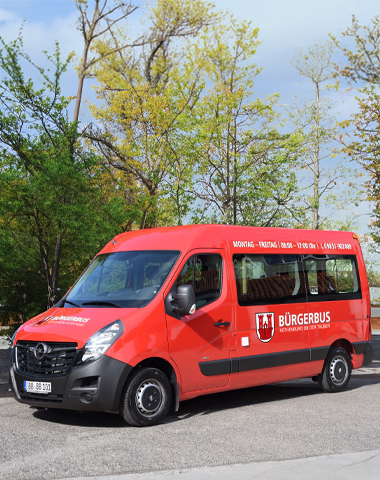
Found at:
[284, 25]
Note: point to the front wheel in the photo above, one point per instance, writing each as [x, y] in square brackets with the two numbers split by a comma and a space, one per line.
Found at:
[336, 371]
[147, 398]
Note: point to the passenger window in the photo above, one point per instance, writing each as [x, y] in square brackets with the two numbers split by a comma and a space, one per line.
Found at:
[331, 277]
[204, 274]
[269, 279]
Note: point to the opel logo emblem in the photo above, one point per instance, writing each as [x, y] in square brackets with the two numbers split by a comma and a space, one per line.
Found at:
[40, 351]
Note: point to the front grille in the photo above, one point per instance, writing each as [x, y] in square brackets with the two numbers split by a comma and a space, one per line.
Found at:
[57, 360]
[40, 398]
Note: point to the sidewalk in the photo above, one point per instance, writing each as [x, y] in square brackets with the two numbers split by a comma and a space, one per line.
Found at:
[338, 467]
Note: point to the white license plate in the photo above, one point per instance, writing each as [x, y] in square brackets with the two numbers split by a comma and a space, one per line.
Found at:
[37, 387]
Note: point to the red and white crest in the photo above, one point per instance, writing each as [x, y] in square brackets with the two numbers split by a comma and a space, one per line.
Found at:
[265, 326]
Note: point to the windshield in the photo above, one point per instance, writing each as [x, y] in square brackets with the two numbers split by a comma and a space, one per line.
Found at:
[122, 279]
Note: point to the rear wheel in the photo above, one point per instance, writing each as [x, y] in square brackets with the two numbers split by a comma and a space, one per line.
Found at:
[336, 371]
[147, 398]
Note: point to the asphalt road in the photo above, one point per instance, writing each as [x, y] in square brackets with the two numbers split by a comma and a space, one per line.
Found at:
[275, 422]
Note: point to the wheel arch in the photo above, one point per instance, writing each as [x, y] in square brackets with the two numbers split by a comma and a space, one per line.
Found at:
[345, 344]
[166, 368]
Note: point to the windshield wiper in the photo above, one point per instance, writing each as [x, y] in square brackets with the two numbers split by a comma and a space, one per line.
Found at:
[72, 303]
[102, 302]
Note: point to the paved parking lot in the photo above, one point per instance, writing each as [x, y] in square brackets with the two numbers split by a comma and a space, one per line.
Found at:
[275, 422]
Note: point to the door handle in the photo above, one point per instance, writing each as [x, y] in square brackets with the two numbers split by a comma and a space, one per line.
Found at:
[222, 324]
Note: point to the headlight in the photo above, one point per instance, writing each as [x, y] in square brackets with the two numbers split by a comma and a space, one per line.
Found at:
[100, 342]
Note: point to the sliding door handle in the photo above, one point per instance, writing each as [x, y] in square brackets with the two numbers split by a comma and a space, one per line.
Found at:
[222, 324]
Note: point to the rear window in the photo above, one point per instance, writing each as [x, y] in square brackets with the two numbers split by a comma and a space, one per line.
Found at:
[332, 277]
[274, 279]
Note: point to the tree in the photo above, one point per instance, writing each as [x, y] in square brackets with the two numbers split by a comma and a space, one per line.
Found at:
[317, 129]
[365, 146]
[226, 51]
[364, 58]
[96, 27]
[164, 49]
[140, 137]
[53, 216]
[147, 97]
[242, 174]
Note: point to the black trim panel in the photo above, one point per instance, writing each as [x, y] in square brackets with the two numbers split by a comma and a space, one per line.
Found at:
[318, 353]
[361, 347]
[215, 367]
[270, 360]
[235, 365]
[278, 359]
[368, 355]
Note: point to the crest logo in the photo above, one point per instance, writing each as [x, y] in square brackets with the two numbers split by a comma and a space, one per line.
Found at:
[265, 326]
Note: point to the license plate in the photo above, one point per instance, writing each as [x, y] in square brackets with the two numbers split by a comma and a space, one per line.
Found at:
[37, 387]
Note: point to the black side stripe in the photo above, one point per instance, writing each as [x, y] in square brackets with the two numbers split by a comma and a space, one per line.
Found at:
[278, 359]
[318, 353]
[268, 360]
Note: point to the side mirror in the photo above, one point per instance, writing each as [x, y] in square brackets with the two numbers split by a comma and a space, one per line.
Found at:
[185, 297]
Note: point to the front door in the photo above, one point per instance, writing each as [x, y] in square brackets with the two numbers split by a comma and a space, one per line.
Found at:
[199, 344]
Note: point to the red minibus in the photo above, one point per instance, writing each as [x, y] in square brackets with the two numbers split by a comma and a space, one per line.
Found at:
[168, 314]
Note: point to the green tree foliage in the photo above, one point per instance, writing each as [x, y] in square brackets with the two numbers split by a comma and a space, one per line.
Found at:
[53, 215]
[225, 51]
[364, 58]
[94, 27]
[362, 143]
[243, 174]
[164, 49]
[147, 96]
[365, 146]
[144, 134]
[317, 130]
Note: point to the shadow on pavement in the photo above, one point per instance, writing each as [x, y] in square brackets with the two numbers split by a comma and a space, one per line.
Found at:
[199, 406]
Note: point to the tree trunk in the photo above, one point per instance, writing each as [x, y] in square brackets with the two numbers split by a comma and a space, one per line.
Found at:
[52, 278]
[316, 162]
[79, 97]
[142, 224]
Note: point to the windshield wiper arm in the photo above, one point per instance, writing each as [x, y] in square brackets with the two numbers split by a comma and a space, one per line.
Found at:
[72, 303]
[102, 302]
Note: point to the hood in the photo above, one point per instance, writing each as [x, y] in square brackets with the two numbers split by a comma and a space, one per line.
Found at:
[72, 324]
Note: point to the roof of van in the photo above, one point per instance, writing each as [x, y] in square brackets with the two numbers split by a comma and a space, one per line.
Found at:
[188, 237]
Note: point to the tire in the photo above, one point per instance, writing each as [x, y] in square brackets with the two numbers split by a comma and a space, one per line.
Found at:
[336, 371]
[147, 398]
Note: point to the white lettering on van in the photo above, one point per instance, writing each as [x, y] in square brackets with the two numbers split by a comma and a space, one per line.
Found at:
[306, 320]
[268, 244]
[243, 244]
[71, 319]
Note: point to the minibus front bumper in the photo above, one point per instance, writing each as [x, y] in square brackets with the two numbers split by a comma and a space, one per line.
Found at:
[96, 386]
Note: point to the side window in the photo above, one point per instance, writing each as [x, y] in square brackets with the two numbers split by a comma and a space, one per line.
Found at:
[269, 279]
[331, 277]
[204, 273]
